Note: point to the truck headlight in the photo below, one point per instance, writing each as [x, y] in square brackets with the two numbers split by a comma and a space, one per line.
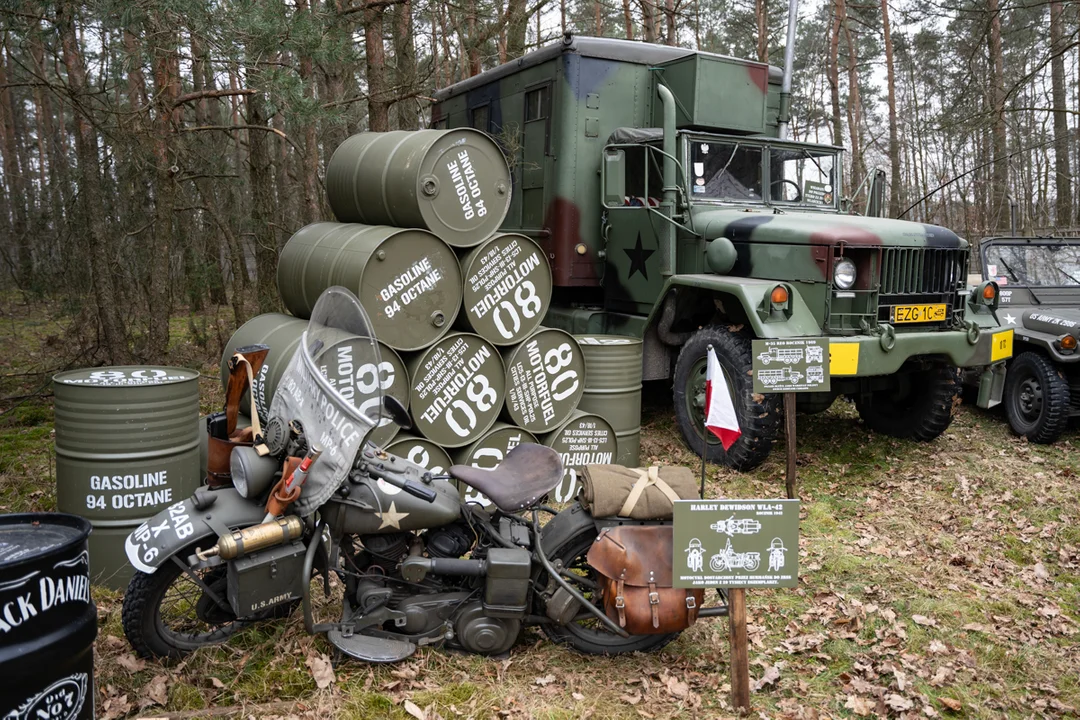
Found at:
[844, 274]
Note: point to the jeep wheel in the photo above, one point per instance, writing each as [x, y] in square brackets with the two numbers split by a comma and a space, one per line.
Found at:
[1036, 398]
[758, 414]
[918, 406]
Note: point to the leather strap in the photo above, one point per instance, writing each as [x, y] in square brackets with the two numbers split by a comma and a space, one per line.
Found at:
[620, 602]
[691, 607]
[645, 480]
[654, 605]
[256, 428]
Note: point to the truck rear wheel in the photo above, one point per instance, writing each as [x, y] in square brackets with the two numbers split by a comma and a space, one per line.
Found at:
[1036, 398]
[919, 406]
[758, 414]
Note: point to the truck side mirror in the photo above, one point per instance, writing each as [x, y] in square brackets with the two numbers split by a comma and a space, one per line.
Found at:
[614, 177]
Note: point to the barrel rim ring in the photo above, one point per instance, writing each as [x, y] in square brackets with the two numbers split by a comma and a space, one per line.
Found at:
[81, 524]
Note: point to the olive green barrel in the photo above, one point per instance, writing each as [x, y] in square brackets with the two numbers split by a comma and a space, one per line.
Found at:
[487, 452]
[456, 389]
[507, 289]
[454, 183]
[545, 378]
[348, 366]
[582, 439]
[421, 451]
[127, 445]
[613, 389]
[409, 281]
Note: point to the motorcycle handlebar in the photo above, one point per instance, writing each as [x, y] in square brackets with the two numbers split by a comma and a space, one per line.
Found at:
[418, 490]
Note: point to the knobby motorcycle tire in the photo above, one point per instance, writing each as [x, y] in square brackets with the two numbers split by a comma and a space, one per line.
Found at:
[586, 639]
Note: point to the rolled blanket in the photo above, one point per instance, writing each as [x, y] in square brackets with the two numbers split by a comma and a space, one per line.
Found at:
[606, 490]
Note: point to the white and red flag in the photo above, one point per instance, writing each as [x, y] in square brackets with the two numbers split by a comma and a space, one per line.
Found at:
[720, 417]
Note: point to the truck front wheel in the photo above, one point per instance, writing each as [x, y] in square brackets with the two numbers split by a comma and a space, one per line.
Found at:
[918, 406]
[1036, 398]
[758, 414]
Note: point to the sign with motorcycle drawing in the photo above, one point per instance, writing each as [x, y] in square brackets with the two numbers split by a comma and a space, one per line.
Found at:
[791, 364]
[736, 543]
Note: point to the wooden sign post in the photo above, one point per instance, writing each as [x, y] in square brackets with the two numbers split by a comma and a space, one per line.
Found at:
[736, 544]
[789, 437]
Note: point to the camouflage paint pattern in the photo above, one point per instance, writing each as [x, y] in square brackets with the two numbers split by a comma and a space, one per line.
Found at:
[553, 113]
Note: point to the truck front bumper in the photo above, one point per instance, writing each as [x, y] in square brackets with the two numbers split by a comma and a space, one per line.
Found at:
[870, 355]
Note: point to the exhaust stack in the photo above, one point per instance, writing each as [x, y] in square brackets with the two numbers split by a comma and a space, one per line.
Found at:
[789, 62]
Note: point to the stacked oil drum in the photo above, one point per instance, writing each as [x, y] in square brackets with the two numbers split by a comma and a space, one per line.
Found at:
[456, 305]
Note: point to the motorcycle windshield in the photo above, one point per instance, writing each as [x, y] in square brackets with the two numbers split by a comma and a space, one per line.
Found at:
[332, 388]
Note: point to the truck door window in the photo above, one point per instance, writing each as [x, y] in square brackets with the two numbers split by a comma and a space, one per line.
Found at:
[638, 166]
[800, 175]
[481, 118]
[537, 103]
[725, 171]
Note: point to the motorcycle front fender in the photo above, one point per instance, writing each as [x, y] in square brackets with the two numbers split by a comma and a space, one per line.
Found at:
[181, 524]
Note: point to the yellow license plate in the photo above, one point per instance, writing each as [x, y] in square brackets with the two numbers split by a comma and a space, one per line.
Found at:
[919, 313]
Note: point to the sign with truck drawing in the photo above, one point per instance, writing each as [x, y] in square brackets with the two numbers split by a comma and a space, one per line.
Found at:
[791, 365]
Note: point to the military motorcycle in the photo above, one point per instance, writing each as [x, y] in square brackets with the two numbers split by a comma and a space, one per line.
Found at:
[309, 499]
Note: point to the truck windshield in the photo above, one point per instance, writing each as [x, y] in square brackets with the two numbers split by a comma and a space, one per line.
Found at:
[1050, 265]
[725, 171]
[803, 176]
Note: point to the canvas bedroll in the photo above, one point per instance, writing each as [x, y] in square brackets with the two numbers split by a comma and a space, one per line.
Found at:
[638, 493]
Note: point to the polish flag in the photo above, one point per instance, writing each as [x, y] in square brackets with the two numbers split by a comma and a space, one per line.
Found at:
[720, 417]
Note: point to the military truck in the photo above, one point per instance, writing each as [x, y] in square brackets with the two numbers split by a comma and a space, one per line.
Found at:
[657, 183]
[1040, 299]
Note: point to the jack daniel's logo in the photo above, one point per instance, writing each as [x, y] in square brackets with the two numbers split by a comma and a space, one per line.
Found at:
[63, 700]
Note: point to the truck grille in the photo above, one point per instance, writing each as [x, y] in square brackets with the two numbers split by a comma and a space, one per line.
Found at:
[922, 271]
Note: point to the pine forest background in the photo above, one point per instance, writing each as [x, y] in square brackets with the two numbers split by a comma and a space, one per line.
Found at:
[157, 154]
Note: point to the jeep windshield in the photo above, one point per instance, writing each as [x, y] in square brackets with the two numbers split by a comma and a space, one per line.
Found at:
[1048, 264]
[729, 170]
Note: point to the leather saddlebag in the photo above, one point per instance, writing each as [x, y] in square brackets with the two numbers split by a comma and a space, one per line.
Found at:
[634, 562]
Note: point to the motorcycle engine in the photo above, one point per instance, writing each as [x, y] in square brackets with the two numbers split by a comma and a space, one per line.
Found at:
[386, 551]
[480, 633]
[449, 541]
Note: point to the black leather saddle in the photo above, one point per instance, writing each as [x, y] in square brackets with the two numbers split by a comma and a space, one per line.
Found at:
[528, 473]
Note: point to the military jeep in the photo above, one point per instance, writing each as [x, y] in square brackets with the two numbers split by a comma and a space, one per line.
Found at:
[1040, 299]
[657, 183]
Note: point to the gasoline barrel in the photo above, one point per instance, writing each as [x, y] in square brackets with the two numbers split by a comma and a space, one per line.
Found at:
[281, 333]
[127, 446]
[454, 183]
[488, 452]
[545, 377]
[408, 281]
[582, 439]
[418, 450]
[48, 621]
[507, 291]
[613, 389]
[456, 389]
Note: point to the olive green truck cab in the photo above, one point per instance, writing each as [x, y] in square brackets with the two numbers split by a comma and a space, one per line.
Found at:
[655, 180]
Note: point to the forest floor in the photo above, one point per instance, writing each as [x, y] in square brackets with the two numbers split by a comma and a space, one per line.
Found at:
[936, 580]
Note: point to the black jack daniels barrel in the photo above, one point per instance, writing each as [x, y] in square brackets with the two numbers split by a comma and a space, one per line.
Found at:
[457, 389]
[545, 378]
[409, 281]
[454, 183]
[127, 446]
[507, 289]
[48, 621]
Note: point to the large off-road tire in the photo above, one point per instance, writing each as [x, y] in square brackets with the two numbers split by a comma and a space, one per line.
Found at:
[918, 406]
[758, 414]
[1037, 398]
[166, 615]
[589, 635]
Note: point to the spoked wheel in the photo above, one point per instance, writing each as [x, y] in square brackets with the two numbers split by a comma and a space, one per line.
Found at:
[1037, 398]
[168, 615]
[587, 634]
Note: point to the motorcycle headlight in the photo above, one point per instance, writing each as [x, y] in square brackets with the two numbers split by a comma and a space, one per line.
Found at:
[251, 472]
[844, 274]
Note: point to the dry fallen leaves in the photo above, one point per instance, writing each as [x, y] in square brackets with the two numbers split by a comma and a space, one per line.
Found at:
[859, 705]
[129, 662]
[414, 710]
[321, 670]
[951, 704]
[923, 620]
[771, 675]
[155, 692]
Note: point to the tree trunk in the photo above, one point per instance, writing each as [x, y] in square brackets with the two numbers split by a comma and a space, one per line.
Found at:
[854, 108]
[16, 182]
[628, 19]
[648, 15]
[516, 26]
[375, 63]
[262, 213]
[1062, 175]
[89, 197]
[833, 70]
[405, 108]
[671, 37]
[166, 65]
[999, 205]
[761, 14]
[894, 132]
